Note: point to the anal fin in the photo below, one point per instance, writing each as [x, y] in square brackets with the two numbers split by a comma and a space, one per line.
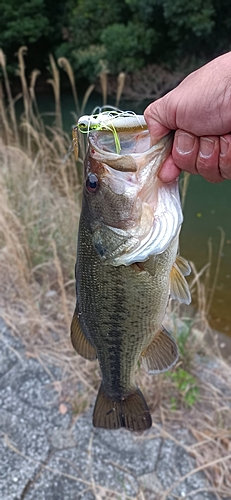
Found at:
[161, 354]
[130, 412]
[79, 341]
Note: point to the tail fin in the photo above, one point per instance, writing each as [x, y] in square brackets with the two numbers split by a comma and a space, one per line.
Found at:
[131, 412]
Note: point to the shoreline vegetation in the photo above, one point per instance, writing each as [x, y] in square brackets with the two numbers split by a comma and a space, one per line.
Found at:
[40, 191]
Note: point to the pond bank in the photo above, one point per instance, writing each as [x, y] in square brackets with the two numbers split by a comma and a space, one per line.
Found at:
[49, 454]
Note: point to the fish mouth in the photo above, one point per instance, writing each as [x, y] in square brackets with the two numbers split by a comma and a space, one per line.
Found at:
[136, 148]
[134, 172]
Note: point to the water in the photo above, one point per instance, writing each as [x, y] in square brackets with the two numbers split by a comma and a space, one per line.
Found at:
[46, 107]
[207, 207]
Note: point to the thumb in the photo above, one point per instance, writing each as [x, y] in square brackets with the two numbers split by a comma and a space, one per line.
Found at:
[156, 117]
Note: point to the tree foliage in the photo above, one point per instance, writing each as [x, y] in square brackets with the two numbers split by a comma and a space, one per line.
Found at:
[125, 35]
[130, 34]
[34, 23]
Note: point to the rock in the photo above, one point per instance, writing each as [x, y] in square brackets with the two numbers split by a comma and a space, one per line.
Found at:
[45, 456]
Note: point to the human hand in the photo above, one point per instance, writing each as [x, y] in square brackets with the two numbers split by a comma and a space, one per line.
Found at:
[199, 109]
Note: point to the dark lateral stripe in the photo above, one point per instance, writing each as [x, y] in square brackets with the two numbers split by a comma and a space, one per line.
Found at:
[115, 337]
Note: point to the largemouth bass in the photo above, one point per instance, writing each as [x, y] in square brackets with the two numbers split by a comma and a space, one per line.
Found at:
[127, 264]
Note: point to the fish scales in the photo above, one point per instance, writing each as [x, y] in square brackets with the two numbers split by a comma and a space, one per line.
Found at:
[121, 299]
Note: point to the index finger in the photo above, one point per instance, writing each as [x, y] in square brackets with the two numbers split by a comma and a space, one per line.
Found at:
[156, 128]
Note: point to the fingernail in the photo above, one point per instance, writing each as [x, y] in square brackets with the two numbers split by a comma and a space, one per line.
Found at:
[184, 142]
[206, 147]
[223, 146]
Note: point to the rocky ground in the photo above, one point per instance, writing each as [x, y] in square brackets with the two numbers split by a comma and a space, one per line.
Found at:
[46, 454]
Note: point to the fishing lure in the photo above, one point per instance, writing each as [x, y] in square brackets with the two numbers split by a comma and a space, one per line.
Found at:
[106, 120]
[100, 119]
[75, 142]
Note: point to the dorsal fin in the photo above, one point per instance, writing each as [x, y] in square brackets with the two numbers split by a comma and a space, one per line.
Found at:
[79, 341]
[179, 289]
[161, 354]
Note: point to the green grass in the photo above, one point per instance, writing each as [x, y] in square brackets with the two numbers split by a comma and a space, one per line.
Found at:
[187, 388]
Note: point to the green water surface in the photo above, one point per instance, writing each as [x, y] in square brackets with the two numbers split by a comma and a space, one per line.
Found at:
[208, 208]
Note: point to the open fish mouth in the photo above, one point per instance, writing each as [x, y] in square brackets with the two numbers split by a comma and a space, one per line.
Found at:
[148, 211]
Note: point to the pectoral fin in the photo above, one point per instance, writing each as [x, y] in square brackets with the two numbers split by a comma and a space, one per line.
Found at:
[79, 341]
[161, 354]
[179, 289]
[183, 265]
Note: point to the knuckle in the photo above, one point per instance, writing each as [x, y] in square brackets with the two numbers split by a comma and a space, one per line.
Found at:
[225, 170]
[208, 169]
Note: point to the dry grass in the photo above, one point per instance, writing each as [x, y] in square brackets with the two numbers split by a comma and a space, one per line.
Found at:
[40, 206]
[208, 421]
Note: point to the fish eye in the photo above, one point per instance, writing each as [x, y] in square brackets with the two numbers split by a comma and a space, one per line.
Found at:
[92, 183]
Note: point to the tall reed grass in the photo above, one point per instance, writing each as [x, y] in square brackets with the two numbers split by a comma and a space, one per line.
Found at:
[40, 204]
[40, 193]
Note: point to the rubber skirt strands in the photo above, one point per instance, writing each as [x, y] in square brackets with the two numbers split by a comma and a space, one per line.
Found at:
[111, 121]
